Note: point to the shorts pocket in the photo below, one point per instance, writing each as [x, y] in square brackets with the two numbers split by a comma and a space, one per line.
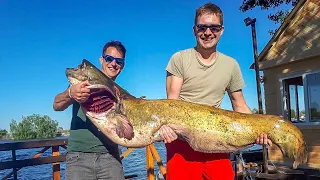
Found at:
[72, 158]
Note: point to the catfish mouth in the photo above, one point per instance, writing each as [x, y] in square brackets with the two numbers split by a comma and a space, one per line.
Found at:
[100, 102]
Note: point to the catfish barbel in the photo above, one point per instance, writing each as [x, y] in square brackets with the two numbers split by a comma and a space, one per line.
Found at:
[134, 122]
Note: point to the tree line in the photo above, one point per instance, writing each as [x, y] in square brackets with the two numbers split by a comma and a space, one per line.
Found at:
[34, 126]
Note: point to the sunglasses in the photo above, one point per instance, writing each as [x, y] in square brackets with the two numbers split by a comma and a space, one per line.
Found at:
[108, 59]
[213, 28]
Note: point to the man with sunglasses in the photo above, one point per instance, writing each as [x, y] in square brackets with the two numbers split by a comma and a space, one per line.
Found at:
[203, 75]
[90, 154]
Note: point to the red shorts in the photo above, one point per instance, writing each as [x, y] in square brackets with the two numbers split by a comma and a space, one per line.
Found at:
[185, 163]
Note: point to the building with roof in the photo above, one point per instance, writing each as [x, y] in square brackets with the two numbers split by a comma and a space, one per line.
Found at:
[290, 63]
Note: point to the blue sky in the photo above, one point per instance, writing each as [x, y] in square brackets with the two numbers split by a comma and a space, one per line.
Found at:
[40, 39]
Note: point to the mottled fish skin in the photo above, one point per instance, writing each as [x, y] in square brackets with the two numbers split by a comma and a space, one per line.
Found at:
[205, 128]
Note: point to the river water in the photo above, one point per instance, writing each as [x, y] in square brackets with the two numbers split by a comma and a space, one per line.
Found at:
[134, 163]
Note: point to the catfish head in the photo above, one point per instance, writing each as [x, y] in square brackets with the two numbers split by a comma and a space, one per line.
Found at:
[104, 100]
[87, 71]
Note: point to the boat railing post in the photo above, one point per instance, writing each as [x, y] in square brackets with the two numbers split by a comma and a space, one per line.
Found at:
[56, 166]
[235, 160]
[150, 165]
[125, 154]
[265, 158]
[158, 160]
[15, 177]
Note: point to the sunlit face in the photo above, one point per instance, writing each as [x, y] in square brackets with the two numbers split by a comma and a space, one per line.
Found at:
[208, 31]
[111, 69]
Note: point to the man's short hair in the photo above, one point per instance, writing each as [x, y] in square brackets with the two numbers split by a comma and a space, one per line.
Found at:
[209, 8]
[116, 44]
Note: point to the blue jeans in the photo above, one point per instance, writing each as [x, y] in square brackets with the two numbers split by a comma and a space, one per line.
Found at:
[93, 166]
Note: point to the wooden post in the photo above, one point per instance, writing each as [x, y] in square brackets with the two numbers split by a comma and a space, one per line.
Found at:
[56, 166]
[15, 177]
[150, 165]
[125, 154]
[265, 159]
[159, 162]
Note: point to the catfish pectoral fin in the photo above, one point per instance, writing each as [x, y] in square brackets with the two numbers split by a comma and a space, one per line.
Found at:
[124, 128]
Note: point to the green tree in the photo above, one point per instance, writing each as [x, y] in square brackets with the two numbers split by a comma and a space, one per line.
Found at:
[3, 133]
[33, 127]
[59, 131]
[278, 17]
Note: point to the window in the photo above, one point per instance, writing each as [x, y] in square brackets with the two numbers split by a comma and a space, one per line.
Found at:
[301, 98]
[294, 106]
[313, 81]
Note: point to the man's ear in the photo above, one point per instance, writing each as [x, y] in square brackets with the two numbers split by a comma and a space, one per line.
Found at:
[101, 60]
[194, 30]
[222, 30]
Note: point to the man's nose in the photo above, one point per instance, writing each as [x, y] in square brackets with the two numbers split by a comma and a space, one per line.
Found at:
[113, 62]
[207, 32]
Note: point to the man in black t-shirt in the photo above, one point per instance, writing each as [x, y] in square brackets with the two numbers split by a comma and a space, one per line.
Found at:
[90, 154]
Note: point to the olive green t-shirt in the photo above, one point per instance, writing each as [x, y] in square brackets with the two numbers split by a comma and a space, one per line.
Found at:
[205, 84]
[85, 136]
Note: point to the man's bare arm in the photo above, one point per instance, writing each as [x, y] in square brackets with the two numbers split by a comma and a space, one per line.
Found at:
[62, 101]
[173, 86]
[238, 102]
[78, 92]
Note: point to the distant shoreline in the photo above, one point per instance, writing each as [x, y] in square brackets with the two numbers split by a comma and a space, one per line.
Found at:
[12, 140]
[64, 133]
[6, 138]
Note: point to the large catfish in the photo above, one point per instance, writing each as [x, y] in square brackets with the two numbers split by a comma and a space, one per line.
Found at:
[134, 122]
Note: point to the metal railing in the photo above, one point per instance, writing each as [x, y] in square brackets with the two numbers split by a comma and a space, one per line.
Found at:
[46, 144]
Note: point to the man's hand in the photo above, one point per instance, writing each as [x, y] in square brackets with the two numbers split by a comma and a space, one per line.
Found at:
[167, 134]
[263, 139]
[80, 92]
